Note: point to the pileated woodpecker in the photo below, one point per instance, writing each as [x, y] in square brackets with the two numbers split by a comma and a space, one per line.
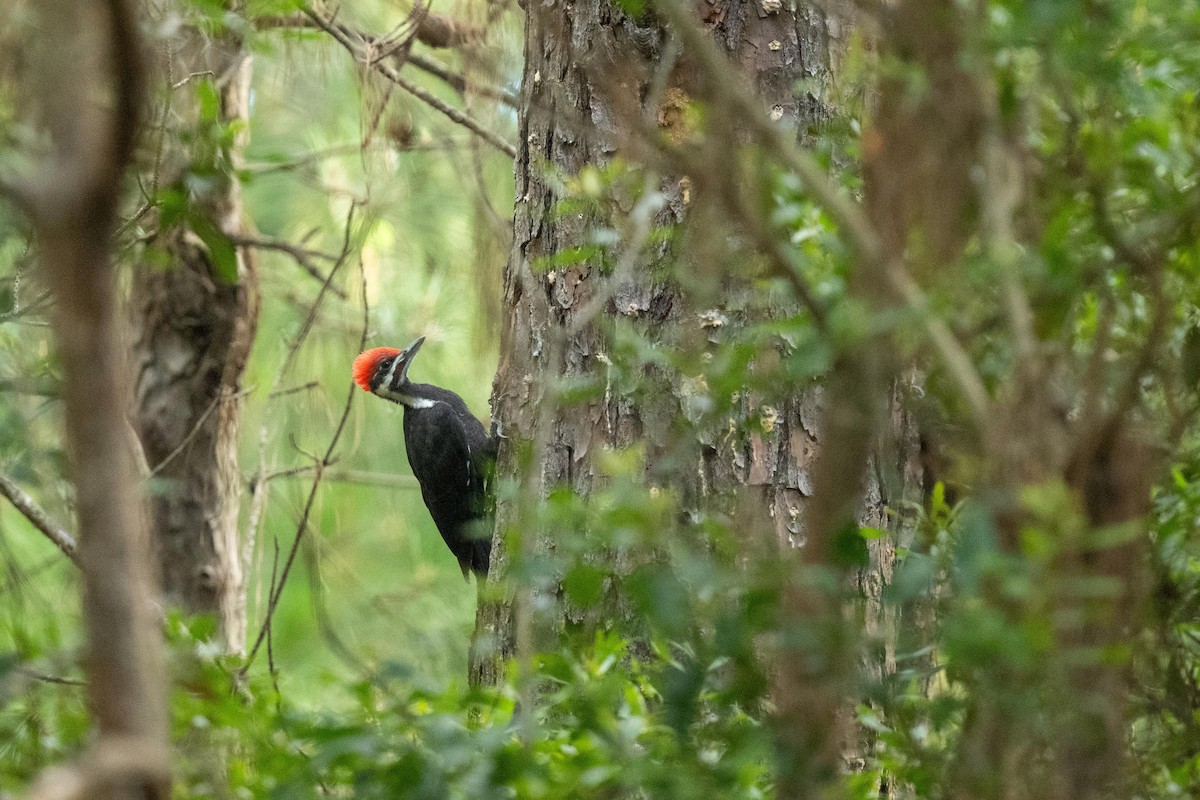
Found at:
[450, 453]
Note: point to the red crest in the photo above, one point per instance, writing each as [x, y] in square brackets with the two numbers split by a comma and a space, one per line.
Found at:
[364, 365]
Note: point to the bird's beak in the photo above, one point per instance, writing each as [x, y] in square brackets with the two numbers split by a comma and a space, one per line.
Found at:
[406, 357]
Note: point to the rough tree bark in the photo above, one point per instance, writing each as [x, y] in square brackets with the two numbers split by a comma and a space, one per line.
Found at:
[194, 322]
[588, 70]
[89, 79]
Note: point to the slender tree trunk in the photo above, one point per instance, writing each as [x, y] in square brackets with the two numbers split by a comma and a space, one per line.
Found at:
[194, 322]
[945, 167]
[91, 50]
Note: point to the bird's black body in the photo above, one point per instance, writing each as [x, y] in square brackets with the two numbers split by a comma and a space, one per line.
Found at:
[452, 458]
[451, 454]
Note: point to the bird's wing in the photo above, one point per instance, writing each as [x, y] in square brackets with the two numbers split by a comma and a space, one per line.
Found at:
[452, 483]
[484, 449]
[484, 461]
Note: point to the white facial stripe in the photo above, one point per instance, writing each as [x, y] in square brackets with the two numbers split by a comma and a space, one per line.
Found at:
[405, 399]
[387, 379]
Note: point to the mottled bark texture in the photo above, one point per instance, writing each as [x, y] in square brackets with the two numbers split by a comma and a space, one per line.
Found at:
[86, 51]
[588, 71]
[194, 324]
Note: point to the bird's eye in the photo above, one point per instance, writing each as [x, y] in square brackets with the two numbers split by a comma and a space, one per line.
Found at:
[384, 365]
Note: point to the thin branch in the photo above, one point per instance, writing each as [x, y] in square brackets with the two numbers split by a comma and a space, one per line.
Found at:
[360, 477]
[225, 397]
[755, 224]
[179, 448]
[1149, 264]
[301, 255]
[302, 525]
[39, 676]
[999, 196]
[433, 30]
[429, 33]
[258, 493]
[1145, 262]
[270, 637]
[185, 80]
[458, 81]
[344, 37]
[397, 44]
[35, 387]
[41, 520]
[1093, 381]
[449, 111]
[304, 387]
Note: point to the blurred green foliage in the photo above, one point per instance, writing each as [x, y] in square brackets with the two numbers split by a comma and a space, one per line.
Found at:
[657, 685]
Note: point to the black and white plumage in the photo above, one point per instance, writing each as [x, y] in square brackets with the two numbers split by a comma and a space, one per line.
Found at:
[451, 455]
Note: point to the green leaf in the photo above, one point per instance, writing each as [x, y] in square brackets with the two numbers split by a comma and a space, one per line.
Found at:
[209, 99]
[849, 548]
[569, 256]
[584, 585]
[172, 206]
[221, 248]
[634, 8]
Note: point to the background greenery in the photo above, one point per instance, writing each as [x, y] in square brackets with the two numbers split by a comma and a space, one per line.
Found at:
[367, 694]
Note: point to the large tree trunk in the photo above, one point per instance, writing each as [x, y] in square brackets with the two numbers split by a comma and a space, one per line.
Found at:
[195, 321]
[588, 71]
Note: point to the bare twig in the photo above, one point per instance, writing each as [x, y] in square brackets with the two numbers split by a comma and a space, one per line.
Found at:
[226, 397]
[270, 637]
[346, 38]
[191, 435]
[304, 387]
[302, 525]
[350, 476]
[38, 517]
[44, 678]
[433, 30]
[186, 79]
[303, 256]
[258, 496]
[327, 286]
[37, 388]
[458, 81]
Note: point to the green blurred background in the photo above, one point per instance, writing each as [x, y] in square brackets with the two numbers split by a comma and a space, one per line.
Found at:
[372, 568]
